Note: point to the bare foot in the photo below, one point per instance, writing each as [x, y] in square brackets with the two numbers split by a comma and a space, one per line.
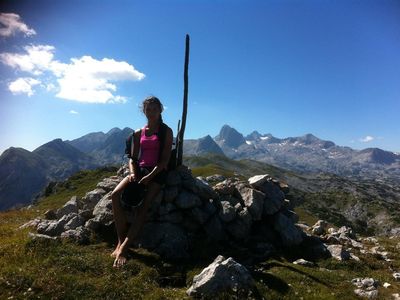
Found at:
[115, 252]
[120, 259]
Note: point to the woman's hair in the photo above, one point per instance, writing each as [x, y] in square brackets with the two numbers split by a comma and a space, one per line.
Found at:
[150, 100]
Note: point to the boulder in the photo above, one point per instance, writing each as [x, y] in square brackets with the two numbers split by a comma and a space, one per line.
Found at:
[200, 188]
[253, 200]
[168, 240]
[346, 231]
[227, 212]
[54, 227]
[338, 252]
[170, 193]
[214, 229]
[173, 178]
[103, 205]
[273, 194]
[92, 198]
[258, 180]
[86, 214]
[32, 223]
[223, 275]
[291, 215]
[187, 200]
[72, 206]
[289, 233]
[75, 222]
[166, 208]
[226, 187]
[203, 214]
[240, 227]
[50, 214]
[80, 235]
[175, 217]
[108, 184]
[319, 228]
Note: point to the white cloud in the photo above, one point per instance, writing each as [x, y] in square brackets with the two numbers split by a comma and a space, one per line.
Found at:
[23, 86]
[38, 58]
[50, 87]
[73, 112]
[89, 80]
[84, 79]
[11, 24]
[367, 139]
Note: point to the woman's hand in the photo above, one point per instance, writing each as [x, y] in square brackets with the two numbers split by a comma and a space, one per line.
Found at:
[131, 177]
[145, 180]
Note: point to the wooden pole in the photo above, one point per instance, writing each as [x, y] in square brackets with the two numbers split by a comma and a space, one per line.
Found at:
[185, 95]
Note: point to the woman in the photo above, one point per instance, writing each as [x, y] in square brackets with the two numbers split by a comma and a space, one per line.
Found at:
[149, 169]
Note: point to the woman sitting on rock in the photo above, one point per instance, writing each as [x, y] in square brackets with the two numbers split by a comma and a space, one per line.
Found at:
[148, 168]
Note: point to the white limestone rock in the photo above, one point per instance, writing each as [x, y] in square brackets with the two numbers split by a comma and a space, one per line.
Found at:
[223, 275]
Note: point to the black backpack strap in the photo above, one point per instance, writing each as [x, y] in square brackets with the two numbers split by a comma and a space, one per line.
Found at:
[130, 143]
[161, 135]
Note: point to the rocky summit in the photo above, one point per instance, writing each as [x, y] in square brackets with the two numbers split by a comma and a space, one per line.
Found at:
[252, 213]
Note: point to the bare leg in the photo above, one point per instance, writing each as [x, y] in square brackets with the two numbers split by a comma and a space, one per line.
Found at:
[119, 214]
[135, 228]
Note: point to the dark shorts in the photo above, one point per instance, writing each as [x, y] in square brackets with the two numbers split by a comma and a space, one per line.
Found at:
[160, 178]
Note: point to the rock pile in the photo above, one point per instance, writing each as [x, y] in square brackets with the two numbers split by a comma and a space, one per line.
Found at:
[188, 208]
[366, 287]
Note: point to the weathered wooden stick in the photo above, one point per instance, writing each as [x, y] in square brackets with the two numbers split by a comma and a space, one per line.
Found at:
[184, 112]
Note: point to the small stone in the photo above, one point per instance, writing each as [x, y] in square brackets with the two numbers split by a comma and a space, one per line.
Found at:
[396, 275]
[386, 285]
[304, 262]
[32, 223]
[366, 294]
[215, 177]
[38, 236]
[354, 257]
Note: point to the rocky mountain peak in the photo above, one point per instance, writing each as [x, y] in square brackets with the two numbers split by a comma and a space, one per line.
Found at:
[113, 131]
[309, 139]
[230, 137]
[255, 135]
[377, 155]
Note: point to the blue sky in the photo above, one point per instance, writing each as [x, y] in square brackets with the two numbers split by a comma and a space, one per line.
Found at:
[330, 68]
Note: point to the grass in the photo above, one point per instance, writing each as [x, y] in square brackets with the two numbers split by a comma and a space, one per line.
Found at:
[48, 269]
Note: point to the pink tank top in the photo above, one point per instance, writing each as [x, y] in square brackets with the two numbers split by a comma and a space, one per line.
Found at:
[149, 149]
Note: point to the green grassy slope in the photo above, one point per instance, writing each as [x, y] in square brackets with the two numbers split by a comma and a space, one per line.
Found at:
[31, 269]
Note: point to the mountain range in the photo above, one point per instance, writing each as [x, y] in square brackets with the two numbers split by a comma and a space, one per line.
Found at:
[24, 174]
